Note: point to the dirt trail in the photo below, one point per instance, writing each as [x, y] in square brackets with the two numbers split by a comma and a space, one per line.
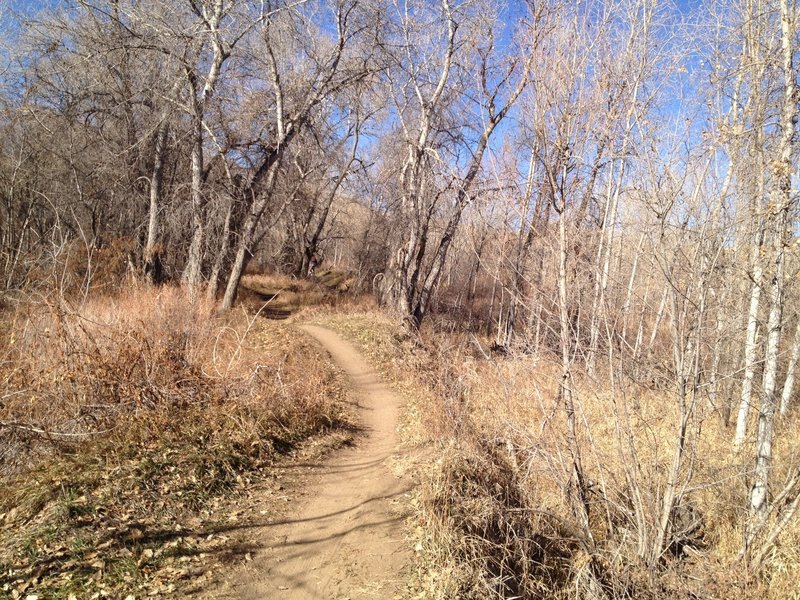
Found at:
[344, 540]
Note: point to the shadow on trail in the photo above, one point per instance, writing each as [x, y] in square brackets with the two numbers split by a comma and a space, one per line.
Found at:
[341, 468]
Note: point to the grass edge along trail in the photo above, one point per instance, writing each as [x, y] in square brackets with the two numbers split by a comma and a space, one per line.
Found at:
[491, 512]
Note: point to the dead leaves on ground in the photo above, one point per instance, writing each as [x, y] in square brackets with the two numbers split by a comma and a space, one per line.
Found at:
[88, 553]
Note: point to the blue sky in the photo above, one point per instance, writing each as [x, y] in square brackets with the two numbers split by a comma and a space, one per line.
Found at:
[28, 6]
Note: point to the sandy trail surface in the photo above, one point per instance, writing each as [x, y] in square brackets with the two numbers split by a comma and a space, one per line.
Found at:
[343, 538]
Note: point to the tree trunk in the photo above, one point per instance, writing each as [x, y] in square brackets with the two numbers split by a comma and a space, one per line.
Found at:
[766, 416]
[781, 200]
[153, 267]
[788, 384]
[580, 500]
[244, 248]
[524, 241]
[193, 272]
[751, 344]
[222, 253]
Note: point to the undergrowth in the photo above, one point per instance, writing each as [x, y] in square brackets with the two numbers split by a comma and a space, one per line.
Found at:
[126, 418]
[493, 517]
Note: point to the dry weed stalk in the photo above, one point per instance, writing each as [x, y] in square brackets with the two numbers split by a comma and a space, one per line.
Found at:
[76, 372]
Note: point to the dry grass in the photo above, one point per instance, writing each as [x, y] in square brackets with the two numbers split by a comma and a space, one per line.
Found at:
[128, 414]
[328, 288]
[493, 514]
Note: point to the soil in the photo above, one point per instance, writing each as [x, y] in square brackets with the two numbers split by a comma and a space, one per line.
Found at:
[342, 535]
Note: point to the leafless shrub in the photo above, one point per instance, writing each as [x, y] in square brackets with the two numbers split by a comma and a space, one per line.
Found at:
[132, 366]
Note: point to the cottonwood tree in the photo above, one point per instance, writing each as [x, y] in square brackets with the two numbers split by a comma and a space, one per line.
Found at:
[218, 31]
[603, 164]
[559, 111]
[615, 96]
[191, 41]
[428, 87]
[87, 103]
[197, 37]
[759, 76]
[330, 157]
[528, 212]
[781, 203]
[629, 84]
[747, 134]
[287, 38]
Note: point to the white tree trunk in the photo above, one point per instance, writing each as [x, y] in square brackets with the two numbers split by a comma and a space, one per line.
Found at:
[750, 346]
[566, 376]
[244, 247]
[192, 274]
[781, 201]
[152, 259]
[662, 305]
[626, 307]
[766, 416]
[788, 384]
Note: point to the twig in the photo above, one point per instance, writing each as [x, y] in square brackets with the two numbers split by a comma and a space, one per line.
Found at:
[32, 429]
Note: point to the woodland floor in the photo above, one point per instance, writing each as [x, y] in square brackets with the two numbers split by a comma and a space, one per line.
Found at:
[341, 534]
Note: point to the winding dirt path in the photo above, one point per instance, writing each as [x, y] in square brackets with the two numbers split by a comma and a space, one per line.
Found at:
[344, 539]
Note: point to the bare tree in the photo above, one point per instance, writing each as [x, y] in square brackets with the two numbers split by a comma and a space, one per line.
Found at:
[424, 89]
[294, 95]
[781, 202]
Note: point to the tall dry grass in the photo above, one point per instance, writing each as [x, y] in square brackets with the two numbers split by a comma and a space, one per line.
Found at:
[130, 361]
[145, 406]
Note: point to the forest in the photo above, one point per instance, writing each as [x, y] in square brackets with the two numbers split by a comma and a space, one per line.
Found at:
[578, 217]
